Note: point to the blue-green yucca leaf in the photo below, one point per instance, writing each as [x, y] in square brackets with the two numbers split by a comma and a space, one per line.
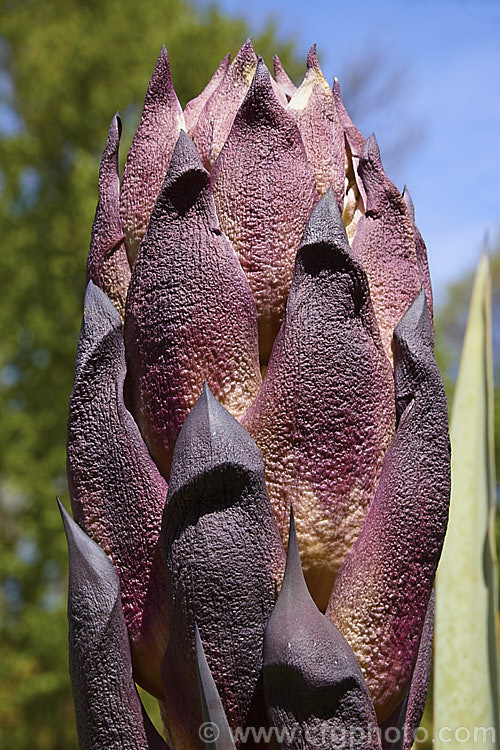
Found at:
[466, 707]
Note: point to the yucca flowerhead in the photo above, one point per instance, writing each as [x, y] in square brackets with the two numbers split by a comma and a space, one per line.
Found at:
[257, 337]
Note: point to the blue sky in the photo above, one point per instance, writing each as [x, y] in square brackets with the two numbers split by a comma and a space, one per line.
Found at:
[450, 50]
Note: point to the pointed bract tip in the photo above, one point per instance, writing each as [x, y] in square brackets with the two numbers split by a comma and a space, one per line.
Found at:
[162, 64]
[212, 709]
[208, 415]
[325, 224]
[337, 96]
[75, 536]
[371, 150]
[329, 198]
[206, 393]
[200, 651]
[185, 155]
[98, 309]
[246, 50]
[308, 665]
[87, 561]
[62, 510]
[409, 203]
[109, 180]
[415, 327]
[115, 128]
[292, 553]
[202, 667]
[294, 577]
[278, 67]
[416, 312]
[261, 72]
[211, 437]
[312, 58]
[261, 84]
[207, 407]
[100, 319]
[184, 159]
[160, 84]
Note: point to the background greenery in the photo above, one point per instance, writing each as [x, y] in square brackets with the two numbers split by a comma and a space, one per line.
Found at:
[65, 68]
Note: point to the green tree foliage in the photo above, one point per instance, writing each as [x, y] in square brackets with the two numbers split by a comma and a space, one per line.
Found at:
[65, 68]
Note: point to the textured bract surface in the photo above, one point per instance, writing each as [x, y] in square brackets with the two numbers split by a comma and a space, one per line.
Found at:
[190, 314]
[313, 684]
[108, 709]
[325, 413]
[264, 190]
[380, 596]
[117, 497]
[276, 354]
